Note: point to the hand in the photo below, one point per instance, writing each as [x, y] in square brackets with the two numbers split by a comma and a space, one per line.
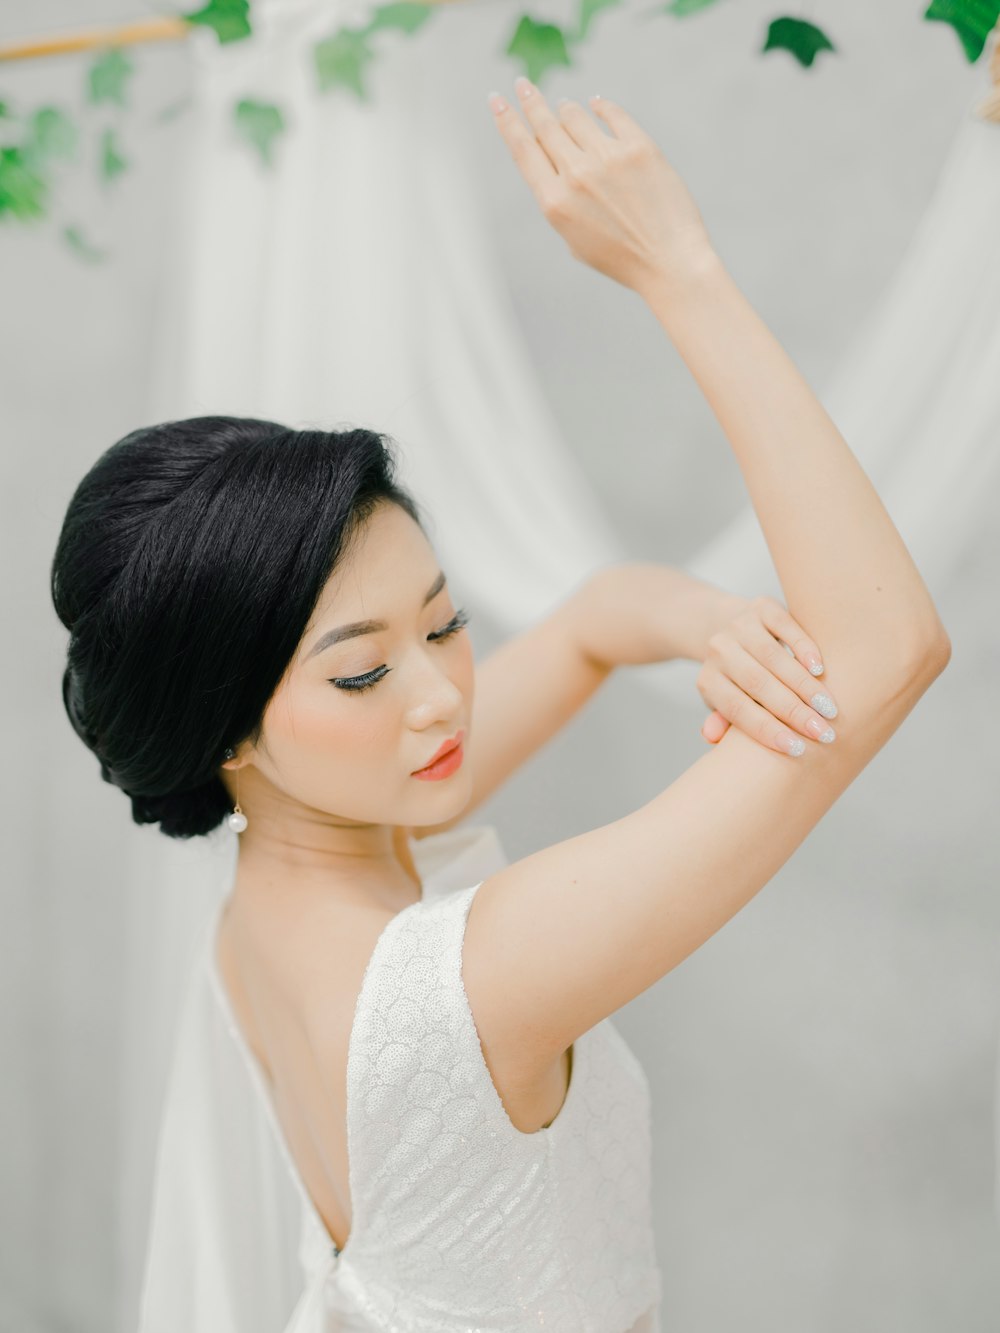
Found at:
[756, 676]
[614, 198]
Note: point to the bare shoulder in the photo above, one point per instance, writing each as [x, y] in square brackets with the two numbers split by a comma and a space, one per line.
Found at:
[325, 963]
[296, 977]
[510, 1038]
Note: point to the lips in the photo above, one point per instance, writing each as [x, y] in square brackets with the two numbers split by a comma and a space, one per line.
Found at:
[446, 748]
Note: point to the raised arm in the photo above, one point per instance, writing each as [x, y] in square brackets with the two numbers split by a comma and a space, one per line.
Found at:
[843, 567]
[563, 938]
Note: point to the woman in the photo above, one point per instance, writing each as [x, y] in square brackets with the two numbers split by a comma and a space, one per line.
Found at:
[261, 632]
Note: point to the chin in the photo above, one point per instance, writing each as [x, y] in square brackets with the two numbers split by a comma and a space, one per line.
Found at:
[441, 825]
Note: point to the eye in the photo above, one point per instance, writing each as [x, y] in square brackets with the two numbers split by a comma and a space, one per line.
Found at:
[358, 683]
[458, 621]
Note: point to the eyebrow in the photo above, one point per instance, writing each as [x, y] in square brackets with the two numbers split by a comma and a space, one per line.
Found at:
[367, 626]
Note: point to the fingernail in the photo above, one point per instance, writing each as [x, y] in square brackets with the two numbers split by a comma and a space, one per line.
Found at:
[596, 97]
[796, 745]
[561, 101]
[817, 729]
[496, 102]
[824, 704]
[524, 86]
[815, 665]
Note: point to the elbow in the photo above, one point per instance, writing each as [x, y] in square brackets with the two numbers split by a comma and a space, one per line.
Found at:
[933, 652]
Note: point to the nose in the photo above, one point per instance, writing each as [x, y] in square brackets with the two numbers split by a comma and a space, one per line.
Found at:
[436, 699]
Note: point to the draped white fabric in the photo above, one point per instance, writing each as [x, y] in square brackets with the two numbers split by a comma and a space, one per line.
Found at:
[374, 290]
[374, 294]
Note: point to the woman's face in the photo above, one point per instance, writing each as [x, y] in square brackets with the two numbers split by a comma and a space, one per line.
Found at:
[351, 752]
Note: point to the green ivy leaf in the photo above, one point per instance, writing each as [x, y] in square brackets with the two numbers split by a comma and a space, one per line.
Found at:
[406, 15]
[107, 77]
[228, 19]
[112, 162]
[5, 111]
[259, 123]
[341, 60]
[804, 40]
[539, 46]
[973, 20]
[23, 192]
[589, 9]
[51, 133]
[78, 243]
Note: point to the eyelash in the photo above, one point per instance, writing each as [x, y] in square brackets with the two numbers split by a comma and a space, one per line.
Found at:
[357, 684]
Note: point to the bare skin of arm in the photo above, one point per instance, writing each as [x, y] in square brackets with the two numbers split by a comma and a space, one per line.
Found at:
[563, 938]
[530, 687]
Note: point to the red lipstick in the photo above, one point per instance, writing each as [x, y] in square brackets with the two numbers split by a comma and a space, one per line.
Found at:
[447, 759]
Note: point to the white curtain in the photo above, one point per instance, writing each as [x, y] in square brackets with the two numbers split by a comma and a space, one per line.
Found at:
[357, 277]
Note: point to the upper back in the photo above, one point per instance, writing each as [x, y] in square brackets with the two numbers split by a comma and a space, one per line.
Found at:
[293, 980]
[294, 1011]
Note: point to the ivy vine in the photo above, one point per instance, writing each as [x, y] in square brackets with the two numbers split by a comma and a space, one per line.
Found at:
[35, 144]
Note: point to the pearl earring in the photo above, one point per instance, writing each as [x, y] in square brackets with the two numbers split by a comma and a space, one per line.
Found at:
[236, 820]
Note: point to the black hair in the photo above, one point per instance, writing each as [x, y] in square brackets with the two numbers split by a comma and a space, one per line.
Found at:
[189, 563]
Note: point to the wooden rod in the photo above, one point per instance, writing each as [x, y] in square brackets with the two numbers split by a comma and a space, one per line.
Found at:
[126, 34]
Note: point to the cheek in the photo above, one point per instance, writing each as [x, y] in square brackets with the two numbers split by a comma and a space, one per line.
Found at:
[318, 719]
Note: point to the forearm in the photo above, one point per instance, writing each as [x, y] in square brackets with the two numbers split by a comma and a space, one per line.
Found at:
[844, 569]
[636, 613]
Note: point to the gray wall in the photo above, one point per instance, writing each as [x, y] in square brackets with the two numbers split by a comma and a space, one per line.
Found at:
[822, 1068]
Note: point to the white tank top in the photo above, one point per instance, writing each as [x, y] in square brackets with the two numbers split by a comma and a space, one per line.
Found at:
[461, 1223]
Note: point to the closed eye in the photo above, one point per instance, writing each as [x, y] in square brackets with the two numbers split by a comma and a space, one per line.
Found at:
[358, 683]
[458, 621]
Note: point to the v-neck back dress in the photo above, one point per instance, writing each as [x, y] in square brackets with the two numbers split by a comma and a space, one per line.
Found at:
[461, 1223]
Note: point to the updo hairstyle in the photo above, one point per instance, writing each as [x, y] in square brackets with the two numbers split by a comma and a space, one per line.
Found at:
[188, 566]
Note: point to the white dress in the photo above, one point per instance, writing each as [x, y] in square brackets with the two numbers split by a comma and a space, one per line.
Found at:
[461, 1223]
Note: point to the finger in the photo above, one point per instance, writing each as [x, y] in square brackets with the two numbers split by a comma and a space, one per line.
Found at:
[580, 127]
[762, 675]
[805, 686]
[757, 636]
[714, 727]
[620, 123]
[782, 623]
[530, 159]
[561, 149]
[748, 716]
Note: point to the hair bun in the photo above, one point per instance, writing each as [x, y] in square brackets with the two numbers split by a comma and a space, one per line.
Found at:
[186, 814]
